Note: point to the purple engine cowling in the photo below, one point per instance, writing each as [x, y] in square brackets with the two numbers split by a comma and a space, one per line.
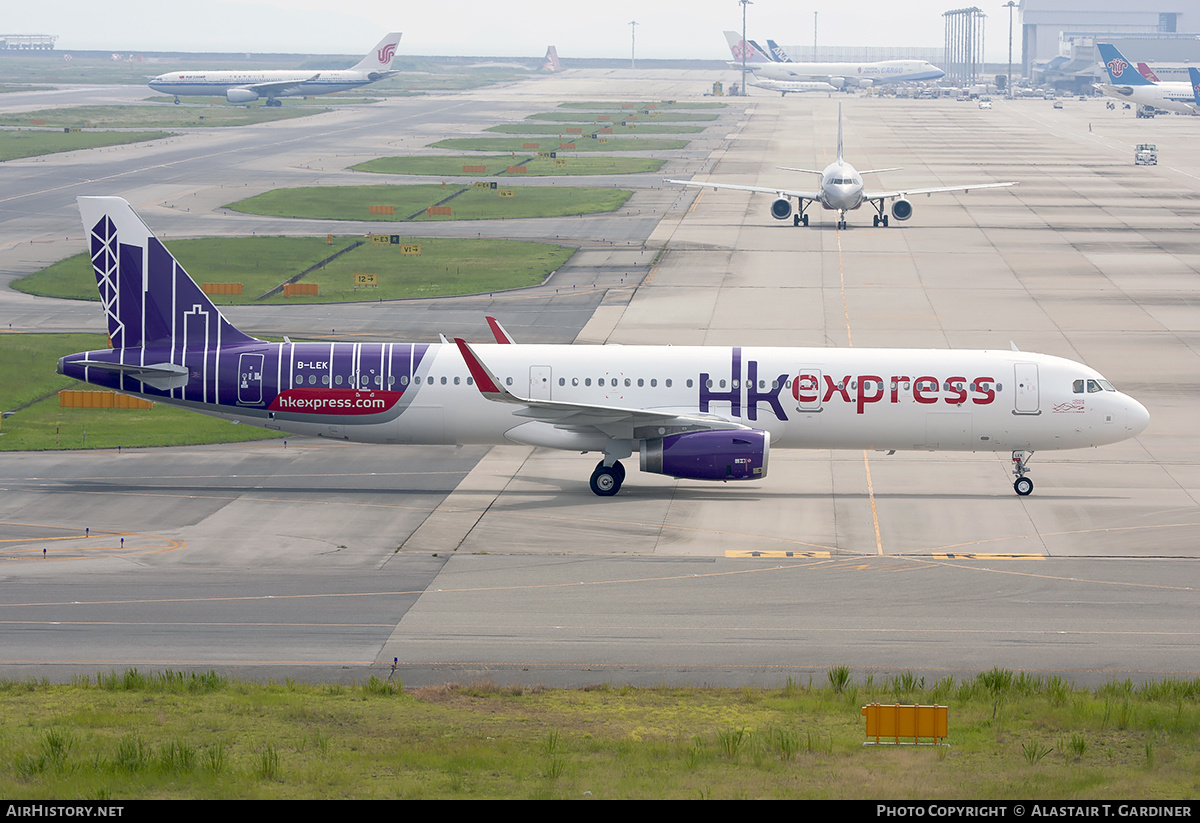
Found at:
[709, 455]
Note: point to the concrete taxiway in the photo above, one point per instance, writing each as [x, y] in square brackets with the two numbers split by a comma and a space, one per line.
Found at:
[326, 562]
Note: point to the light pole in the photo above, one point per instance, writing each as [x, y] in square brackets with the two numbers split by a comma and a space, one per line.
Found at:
[633, 44]
[1010, 5]
[744, 3]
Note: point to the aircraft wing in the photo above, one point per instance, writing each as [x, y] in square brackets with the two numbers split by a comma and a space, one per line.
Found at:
[614, 421]
[890, 195]
[279, 87]
[805, 195]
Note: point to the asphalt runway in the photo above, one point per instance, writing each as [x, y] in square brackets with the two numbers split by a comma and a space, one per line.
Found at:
[326, 562]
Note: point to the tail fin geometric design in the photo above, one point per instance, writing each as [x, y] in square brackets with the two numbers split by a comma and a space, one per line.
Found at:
[148, 298]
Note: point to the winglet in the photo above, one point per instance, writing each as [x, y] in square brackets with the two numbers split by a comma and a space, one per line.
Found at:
[499, 332]
[487, 383]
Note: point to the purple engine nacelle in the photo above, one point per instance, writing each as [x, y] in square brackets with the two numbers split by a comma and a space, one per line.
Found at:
[709, 455]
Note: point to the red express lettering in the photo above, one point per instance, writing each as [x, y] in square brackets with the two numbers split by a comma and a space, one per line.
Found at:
[869, 382]
[869, 389]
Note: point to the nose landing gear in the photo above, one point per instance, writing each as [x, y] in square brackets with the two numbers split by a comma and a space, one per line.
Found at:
[1023, 485]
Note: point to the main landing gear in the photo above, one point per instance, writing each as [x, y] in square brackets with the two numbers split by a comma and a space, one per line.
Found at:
[800, 219]
[881, 220]
[606, 480]
[1023, 485]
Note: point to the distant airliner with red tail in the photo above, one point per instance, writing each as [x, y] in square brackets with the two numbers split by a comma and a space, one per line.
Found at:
[701, 413]
[250, 85]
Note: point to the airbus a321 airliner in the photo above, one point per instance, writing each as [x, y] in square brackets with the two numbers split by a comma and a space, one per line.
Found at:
[841, 191]
[248, 86]
[701, 413]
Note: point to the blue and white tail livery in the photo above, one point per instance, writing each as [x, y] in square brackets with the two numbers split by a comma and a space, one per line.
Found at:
[700, 413]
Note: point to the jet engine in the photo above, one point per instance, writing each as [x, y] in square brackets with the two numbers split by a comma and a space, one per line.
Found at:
[865, 82]
[241, 95]
[781, 208]
[837, 82]
[709, 455]
[902, 209]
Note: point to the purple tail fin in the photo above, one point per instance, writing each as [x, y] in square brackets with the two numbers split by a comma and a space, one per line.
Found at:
[148, 298]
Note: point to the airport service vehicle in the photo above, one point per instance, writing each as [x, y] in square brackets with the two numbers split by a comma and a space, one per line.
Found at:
[248, 86]
[700, 413]
[1146, 154]
[838, 75]
[841, 191]
[1125, 83]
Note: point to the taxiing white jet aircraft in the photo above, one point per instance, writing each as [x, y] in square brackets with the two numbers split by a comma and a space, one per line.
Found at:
[838, 75]
[1128, 84]
[248, 86]
[841, 191]
[700, 413]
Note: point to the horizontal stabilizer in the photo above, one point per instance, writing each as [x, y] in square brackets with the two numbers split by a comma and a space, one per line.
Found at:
[161, 376]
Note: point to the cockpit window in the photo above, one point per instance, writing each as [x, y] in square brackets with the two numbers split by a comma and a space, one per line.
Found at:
[1093, 386]
[1104, 384]
[1077, 387]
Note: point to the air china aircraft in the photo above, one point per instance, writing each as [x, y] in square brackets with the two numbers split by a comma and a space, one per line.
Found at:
[838, 75]
[1126, 83]
[248, 86]
[841, 191]
[701, 413]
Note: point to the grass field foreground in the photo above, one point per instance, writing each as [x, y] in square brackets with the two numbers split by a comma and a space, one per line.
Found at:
[176, 735]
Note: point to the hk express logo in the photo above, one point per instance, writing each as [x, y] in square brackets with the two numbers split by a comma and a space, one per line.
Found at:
[1117, 67]
[813, 389]
[387, 53]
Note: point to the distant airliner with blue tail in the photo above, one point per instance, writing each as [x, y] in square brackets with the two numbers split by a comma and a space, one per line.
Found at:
[1128, 84]
[248, 86]
[693, 412]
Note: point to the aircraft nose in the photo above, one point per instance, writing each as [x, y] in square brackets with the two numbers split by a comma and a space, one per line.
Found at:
[1137, 416]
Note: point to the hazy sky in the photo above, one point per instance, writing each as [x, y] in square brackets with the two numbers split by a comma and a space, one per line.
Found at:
[666, 28]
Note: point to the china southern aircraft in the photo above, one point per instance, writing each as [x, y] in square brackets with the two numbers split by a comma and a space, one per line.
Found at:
[248, 86]
[841, 191]
[1128, 84]
[701, 413]
[838, 75]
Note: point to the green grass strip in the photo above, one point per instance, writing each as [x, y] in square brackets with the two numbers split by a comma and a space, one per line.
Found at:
[468, 203]
[559, 130]
[445, 266]
[35, 143]
[516, 144]
[615, 118]
[441, 166]
[155, 117]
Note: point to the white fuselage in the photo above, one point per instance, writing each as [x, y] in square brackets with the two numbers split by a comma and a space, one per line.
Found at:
[1169, 96]
[218, 83]
[861, 74]
[810, 398]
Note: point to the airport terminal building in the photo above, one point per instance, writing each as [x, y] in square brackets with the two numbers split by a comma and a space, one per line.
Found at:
[1058, 38]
